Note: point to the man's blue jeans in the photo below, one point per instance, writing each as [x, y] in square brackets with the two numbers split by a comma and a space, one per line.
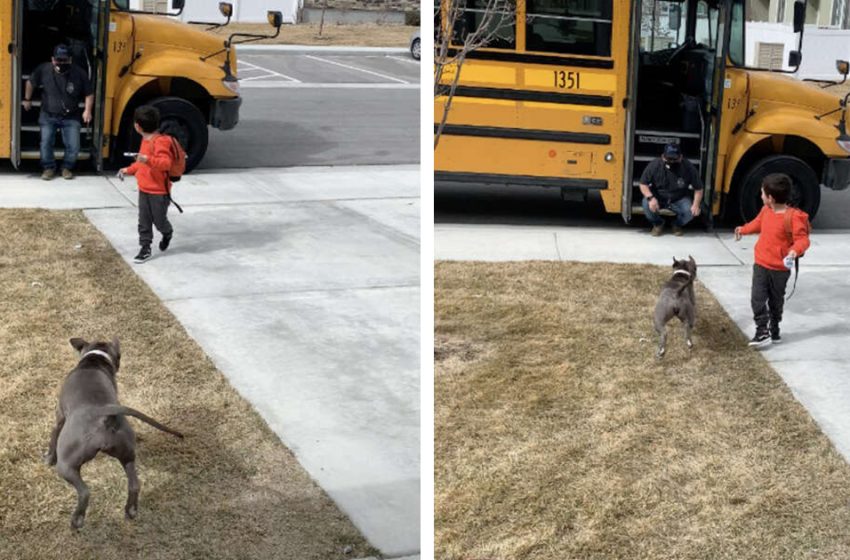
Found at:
[681, 207]
[70, 136]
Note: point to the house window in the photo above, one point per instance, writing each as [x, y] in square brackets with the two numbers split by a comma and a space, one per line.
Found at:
[156, 6]
[769, 55]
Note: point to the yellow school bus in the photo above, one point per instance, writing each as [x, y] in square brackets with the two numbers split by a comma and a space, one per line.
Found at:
[581, 95]
[132, 58]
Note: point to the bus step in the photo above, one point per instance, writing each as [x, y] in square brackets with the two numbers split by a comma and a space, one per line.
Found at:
[36, 128]
[37, 103]
[695, 162]
[673, 133]
[58, 154]
[663, 212]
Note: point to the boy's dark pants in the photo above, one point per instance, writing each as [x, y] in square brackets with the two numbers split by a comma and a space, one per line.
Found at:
[768, 297]
[153, 211]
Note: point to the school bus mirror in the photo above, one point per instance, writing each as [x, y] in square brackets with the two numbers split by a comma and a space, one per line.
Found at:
[275, 19]
[675, 17]
[799, 15]
[843, 67]
[178, 5]
[226, 9]
[794, 58]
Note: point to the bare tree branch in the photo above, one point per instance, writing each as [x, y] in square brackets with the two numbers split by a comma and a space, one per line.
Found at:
[468, 25]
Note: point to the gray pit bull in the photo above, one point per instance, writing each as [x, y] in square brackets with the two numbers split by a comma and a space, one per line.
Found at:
[676, 300]
[89, 419]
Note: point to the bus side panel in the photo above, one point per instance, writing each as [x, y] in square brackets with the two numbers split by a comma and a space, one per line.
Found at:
[549, 119]
[5, 83]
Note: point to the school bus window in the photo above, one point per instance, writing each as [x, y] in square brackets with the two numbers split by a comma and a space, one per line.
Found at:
[569, 26]
[706, 31]
[736, 32]
[499, 25]
[657, 32]
[122, 4]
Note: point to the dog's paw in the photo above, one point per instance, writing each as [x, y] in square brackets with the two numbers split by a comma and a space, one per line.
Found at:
[130, 512]
[49, 458]
[690, 345]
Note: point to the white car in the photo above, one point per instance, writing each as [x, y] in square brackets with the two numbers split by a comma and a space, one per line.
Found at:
[416, 46]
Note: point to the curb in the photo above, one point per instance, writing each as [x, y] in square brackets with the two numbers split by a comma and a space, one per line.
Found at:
[299, 49]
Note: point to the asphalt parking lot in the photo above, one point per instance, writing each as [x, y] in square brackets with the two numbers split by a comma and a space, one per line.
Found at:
[323, 69]
[322, 108]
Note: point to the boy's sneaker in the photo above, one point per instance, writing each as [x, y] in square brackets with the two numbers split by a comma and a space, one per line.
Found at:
[67, 174]
[760, 339]
[144, 254]
[678, 231]
[656, 230]
[48, 174]
[774, 337]
[165, 241]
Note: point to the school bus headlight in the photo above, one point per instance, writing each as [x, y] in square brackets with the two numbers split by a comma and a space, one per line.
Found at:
[844, 143]
[609, 156]
[232, 85]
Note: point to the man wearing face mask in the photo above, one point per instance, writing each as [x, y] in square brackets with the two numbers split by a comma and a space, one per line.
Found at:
[62, 86]
[671, 182]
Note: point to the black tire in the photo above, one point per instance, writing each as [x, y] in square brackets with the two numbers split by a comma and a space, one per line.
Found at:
[180, 118]
[805, 193]
[187, 124]
[416, 49]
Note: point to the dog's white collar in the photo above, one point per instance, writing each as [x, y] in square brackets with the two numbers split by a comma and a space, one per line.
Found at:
[99, 353]
[685, 272]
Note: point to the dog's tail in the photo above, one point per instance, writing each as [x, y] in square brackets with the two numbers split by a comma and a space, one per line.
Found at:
[116, 409]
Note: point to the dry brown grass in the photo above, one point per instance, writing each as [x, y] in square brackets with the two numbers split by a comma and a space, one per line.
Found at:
[361, 35]
[558, 435]
[229, 490]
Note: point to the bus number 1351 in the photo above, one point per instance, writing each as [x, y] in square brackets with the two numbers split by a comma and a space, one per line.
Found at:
[566, 80]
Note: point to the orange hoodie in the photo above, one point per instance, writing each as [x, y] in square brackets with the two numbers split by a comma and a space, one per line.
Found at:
[152, 176]
[773, 243]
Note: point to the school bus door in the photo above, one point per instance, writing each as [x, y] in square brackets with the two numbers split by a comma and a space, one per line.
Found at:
[101, 39]
[11, 24]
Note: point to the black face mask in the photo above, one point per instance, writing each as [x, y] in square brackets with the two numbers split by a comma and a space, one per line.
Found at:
[63, 67]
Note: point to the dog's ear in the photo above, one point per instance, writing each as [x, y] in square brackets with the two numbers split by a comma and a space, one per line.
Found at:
[78, 344]
[675, 262]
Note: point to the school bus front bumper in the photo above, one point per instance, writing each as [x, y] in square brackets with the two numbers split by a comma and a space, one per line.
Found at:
[225, 113]
[837, 174]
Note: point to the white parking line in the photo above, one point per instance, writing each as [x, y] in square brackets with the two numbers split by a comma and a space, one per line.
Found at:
[272, 84]
[356, 68]
[409, 60]
[268, 73]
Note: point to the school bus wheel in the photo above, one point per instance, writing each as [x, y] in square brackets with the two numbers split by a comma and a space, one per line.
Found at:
[805, 194]
[183, 120]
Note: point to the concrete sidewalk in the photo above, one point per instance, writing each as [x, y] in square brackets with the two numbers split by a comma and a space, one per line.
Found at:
[302, 285]
[815, 349]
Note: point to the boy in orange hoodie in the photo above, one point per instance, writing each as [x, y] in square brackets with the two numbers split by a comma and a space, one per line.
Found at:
[770, 274]
[151, 170]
